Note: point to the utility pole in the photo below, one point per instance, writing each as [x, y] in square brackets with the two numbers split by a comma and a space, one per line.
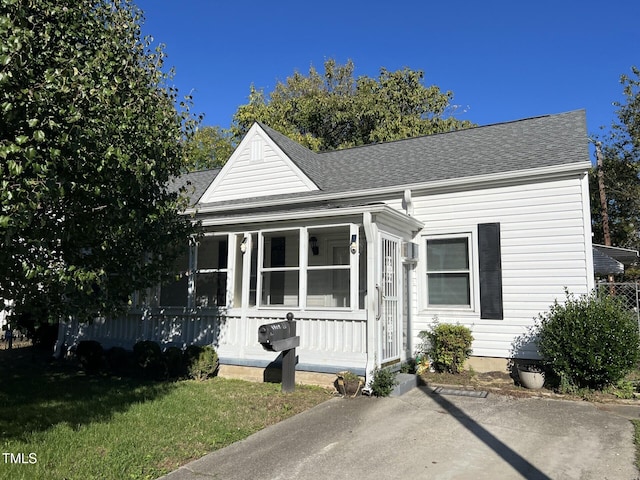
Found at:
[603, 208]
[603, 196]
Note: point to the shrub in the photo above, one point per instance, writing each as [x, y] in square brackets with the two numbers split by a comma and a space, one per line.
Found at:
[447, 345]
[191, 354]
[409, 366]
[148, 357]
[90, 355]
[202, 362]
[46, 335]
[383, 383]
[590, 341]
[175, 360]
[120, 361]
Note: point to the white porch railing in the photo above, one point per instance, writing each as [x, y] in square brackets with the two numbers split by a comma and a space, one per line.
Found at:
[167, 326]
[331, 339]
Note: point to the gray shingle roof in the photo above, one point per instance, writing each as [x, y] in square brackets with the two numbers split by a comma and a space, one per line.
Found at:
[519, 145]
[195, 182]
[549, 140]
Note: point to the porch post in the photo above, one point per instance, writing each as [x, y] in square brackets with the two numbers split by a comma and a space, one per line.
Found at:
[373, 273]
[303, 238]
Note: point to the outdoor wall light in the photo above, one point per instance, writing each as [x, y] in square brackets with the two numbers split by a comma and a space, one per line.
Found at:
[243, 245]
[354, 244]
[313, 242]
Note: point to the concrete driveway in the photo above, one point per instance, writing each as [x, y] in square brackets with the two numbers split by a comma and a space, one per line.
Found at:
[426, 435]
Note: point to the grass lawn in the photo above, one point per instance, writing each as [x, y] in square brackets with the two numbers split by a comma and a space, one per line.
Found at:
[68, 425]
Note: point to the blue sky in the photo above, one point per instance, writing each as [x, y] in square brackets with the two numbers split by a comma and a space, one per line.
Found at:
[503, 60]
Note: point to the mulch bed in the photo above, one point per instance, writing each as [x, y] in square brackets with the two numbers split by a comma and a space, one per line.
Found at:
[502, 383]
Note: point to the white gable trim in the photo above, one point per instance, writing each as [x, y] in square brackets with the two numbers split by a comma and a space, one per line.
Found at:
[249, 159]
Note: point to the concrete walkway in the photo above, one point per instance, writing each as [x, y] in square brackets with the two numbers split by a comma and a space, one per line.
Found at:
[425, 435]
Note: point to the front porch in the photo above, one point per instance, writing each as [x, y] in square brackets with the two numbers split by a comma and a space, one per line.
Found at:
[340, 271]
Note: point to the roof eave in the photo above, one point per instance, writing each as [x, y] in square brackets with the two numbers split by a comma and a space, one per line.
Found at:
[439, 186]
[269, 217]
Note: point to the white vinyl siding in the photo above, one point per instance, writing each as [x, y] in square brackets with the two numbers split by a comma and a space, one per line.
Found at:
[257, 168]
[545, 249]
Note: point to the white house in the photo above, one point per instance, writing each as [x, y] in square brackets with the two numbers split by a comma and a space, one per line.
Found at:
[366, 246]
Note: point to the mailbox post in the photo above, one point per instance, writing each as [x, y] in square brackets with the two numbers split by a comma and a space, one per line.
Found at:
[281, 337]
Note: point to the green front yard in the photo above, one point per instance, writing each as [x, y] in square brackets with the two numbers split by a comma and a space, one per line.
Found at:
[56, 423]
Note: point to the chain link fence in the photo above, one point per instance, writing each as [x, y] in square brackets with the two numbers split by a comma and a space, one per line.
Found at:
[629, 293]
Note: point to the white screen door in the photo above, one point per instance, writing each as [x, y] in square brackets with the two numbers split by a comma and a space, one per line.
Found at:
[391, 289]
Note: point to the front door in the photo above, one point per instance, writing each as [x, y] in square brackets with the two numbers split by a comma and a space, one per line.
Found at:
[391, 294]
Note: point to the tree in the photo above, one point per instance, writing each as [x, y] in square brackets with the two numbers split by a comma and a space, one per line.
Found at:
[90, 136]
[621, 168]
[336, 110]
[210, 147]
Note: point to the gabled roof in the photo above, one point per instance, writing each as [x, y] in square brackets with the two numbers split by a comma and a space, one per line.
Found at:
[259, 167]
[195, 182]
[553, 141]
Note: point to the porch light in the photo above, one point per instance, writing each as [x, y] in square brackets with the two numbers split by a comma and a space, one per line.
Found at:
[313, 242]
[354, 244]
[243, 245]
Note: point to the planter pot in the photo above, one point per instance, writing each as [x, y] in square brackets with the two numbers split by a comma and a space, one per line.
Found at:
[348, 385]
[532, 379]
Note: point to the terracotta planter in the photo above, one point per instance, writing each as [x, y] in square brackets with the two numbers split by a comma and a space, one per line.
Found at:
[531, 378]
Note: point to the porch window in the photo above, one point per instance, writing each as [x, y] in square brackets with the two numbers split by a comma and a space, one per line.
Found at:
[176, 292]
[211, 271]
[448, 271]
[280, 273]
[329, 270]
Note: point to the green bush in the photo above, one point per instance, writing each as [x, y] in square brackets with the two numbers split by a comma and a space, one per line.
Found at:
[202, 362]
[175, 362]
[90, 355]
[120, 361]
[447, 345]
[148, 358]
[384, 381]
[589, 341]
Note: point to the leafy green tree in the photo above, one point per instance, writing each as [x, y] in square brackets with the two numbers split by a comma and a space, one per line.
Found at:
[90, 135]
[621, 168]
[335, 110]
[209, 147]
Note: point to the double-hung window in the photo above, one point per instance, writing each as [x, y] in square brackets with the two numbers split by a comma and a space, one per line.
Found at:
[449, 271]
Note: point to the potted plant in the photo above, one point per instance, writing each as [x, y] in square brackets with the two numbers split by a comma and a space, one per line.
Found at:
[349, 383]
[531, 375]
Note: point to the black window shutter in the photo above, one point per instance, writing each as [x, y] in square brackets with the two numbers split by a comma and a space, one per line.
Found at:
[490, 271]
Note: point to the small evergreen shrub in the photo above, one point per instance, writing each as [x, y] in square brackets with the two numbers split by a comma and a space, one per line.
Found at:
[148, 358]
[175, 361]
[447, 345]
[90, 355]
[120, 361]
[409, 366]
[590, 341]
[191, 354]
[202, 362]
[384, 381]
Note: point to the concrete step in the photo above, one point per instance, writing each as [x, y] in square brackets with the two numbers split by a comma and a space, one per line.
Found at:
[406, 382]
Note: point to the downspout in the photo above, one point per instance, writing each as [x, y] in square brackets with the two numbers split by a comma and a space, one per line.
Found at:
[371, 234]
